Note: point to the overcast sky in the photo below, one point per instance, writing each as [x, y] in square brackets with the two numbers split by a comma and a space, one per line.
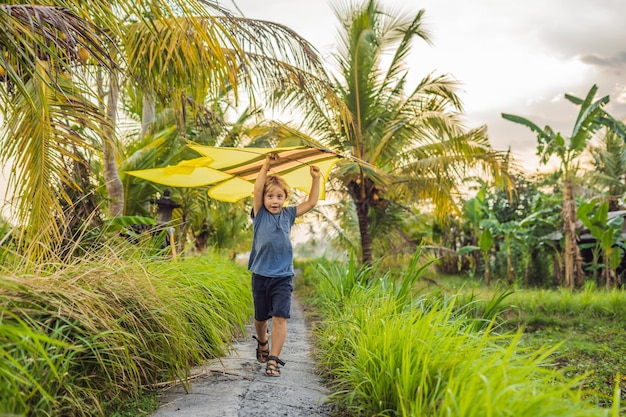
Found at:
[510, 56]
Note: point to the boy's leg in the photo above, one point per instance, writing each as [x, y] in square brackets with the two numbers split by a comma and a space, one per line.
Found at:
[261, 315]
[281, 307]
[262, 348]
[279, 334]
[261, 330]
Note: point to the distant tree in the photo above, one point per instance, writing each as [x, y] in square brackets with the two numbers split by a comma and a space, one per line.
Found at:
[591, 118]
[608, 173]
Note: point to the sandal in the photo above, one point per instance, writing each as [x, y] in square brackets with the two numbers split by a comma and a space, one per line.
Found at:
[262, 354]
[272, 369]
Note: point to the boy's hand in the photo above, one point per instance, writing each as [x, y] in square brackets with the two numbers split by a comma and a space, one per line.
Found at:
[269, 158]
[315, 171]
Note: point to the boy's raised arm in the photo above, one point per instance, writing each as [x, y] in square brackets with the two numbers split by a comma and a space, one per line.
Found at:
[314, 194]
[260, 183]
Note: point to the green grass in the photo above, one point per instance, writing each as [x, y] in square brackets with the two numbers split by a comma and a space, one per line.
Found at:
[141, 406]
[98, 336]
[588, 325]
[590, 328]
[389, 351]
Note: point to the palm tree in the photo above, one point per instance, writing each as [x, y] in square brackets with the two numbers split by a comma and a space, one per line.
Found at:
[591, 117]
[174, 52]
[401, 147]
[187, 61]
[49, 118]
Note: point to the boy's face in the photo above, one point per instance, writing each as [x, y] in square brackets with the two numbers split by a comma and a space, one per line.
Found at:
[274, 199]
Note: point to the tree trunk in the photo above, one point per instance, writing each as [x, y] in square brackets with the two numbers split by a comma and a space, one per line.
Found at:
[572, 259]
[147, 113]
[362, 209]
[609, 273]
[115, 189]
[113, 183]
[366, 241]
[579, 277]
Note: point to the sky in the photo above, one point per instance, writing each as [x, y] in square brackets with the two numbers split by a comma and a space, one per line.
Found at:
[509, 56]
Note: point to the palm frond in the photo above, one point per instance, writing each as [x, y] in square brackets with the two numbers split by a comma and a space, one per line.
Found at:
[32, 35]
[47, 127]
[408, 31]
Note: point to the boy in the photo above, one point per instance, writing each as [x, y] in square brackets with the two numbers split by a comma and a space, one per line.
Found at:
[271, 259]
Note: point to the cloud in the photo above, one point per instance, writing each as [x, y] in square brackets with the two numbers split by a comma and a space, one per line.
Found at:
[576, 27]
[616, 61]
[550, 110]
[620, 93]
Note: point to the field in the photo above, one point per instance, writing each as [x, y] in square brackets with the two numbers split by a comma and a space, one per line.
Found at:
[527, 339]
[588, 326]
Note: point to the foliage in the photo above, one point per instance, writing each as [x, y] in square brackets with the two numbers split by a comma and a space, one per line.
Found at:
[64, 70]
[608, 170]
[589, 325]
[7, 242]
[387, 351]
[609, 238]
[93, 335]
[406, 145]
[590, 119]
[513, 229]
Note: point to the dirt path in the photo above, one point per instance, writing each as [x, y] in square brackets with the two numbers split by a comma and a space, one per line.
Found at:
[236, 386]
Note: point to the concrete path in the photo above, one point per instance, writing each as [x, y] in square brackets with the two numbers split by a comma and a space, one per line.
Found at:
[236, 386]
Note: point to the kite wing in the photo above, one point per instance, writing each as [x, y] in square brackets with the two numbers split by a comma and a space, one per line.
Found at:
[190, 173]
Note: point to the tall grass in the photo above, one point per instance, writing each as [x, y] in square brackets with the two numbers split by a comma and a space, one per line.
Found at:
[390, 352]
[610, 304]
[89, 336]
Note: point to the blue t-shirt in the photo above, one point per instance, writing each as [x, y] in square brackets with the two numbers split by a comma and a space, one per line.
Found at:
[271, 254]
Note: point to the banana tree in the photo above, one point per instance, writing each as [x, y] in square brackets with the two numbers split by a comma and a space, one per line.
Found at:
[591, 118]
[609, 238]
[477, 220]
[485, 244]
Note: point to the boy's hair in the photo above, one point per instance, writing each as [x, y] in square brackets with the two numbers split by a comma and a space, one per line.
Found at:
[276, 181]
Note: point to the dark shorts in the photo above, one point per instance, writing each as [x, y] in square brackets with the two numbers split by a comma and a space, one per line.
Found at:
[272, 296]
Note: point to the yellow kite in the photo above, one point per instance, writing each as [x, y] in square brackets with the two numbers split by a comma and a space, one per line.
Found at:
[234, 170]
